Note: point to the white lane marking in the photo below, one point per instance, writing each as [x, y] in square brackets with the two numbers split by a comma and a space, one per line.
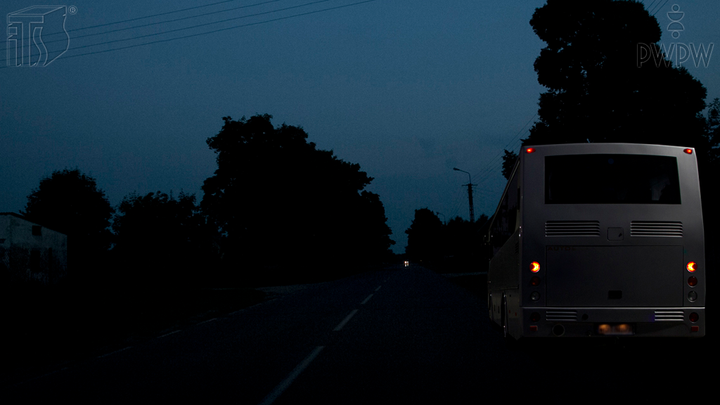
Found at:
[271, 397]
[168, 334]
[346, 320]
[209, 320]
[367, 299]
[38, 377]
[115, 352]
[378, 289]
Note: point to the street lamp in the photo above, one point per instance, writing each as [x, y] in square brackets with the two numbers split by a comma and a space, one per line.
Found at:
[470, 197]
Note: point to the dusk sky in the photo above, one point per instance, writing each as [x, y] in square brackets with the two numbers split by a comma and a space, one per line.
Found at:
[407, 89]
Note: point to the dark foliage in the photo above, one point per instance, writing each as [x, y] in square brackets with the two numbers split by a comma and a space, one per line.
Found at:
[453, 247]
[425, 242]
[508, 164]
[282, 205]
[161, 241]
[598, 91]
[70, 202]
[709, 175]
[463, 245]
[712, 129]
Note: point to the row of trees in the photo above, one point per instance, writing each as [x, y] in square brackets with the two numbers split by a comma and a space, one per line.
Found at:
[598, 90]
[454, 246]
[277, 209]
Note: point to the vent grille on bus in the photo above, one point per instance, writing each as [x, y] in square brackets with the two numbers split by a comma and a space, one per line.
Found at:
[656, 229]
[671, 316]
[561, 315]
[572, 228]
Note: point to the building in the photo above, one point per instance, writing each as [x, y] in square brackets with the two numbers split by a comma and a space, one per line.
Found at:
[30, 252]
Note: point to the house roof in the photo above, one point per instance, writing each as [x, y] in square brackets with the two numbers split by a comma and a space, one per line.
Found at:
[16, 215]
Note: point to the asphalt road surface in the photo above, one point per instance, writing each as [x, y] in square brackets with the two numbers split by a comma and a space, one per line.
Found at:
[402, 336]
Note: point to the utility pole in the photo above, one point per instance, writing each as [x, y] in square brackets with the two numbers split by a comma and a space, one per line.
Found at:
[470, 197]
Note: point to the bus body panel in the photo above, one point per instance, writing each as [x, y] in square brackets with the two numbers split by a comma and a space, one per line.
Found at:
[626, 276]
[619, 262]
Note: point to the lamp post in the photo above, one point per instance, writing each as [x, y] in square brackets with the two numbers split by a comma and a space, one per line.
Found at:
[470, 197]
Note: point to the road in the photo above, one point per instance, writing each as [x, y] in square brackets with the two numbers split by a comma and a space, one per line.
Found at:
[391, 336]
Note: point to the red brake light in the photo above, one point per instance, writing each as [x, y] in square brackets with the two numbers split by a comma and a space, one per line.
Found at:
[691, 267]
[688, 151]
[692, 281]
[530, 150]
[535, 267]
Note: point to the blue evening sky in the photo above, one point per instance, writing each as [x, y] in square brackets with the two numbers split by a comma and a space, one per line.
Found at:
[407, 89]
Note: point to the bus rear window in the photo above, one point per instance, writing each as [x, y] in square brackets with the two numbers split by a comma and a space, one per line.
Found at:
[611, 179]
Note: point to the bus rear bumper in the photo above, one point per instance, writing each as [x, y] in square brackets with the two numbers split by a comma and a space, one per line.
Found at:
[602, 322]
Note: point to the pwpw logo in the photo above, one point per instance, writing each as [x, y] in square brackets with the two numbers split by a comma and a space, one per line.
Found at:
[36, 35]
[677, 53]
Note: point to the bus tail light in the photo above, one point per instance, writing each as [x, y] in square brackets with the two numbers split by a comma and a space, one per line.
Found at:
[535, 281]
[691, 267]
[688, 151]
[694, 317]
[530, 150]
[535, 267]
[692, 281]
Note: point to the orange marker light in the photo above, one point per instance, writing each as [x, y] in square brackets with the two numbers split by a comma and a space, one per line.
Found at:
[530, 150]
[535, 267]
[691, 267]
[604, 329]
[688, 151]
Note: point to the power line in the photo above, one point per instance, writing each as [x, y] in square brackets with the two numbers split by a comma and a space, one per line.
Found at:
[45, 41]
[517, 136]
[203, 25]
[659, 7]
[490, 167]
[496, 166]
[647, 7]
[173, 12]
[217, 30]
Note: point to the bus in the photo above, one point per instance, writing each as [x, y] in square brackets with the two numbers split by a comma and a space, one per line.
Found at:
[599, 239]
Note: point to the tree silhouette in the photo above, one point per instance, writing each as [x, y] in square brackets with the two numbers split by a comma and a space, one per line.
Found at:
[463, 245]
[280, 204]
[508, 164]
[712, 129]
[160, 240]
[425, 238]
[598, 91]
[70, 202]
[709, 174]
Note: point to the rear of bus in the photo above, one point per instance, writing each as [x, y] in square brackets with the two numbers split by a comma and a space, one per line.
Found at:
[611, 241]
